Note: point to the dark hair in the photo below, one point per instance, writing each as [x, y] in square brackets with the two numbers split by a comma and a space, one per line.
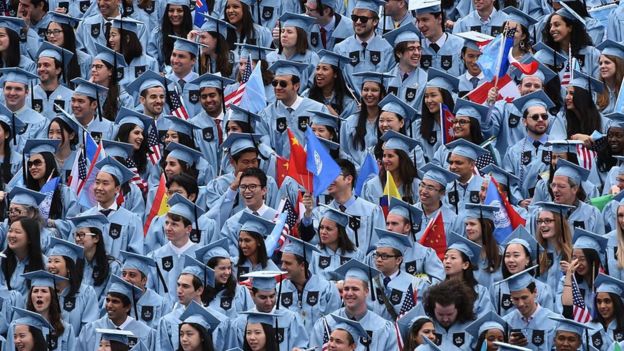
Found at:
[400, 48]
[189, 169]
[579, 38]
[185, 181]
[255, 173]
[74, 275]
[11, 56]
[5, 167]
[130, 45]
[451, 292]
[246, 27]
[118, 346]
[101, 266]
[65, 128]
[593, 262]
[36, 3]
[340, 91]
[482, 340]
[490, 245]
[261, 255]
[39, 340]
[72, 69]
[301, 45]
[360, 129]
[468, 277]
[407, 173]
[223, 64]
[410, 343]
[347, 169]
[270, 337]
[56, 319]
[586, 117]
[229, 288]
[167, 29]
[35, 259]
[205, 337]
[345, 244]
[618, 309]
[177, 218]
[138, 156]
[125, 300]
[428, 120]
[111, 104]
[552, 88]
[506, 272]
[525, 44]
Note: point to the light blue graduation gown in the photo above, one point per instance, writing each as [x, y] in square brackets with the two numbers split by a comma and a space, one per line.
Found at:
[347, 133]
[247, 267]
[324, 263]
[473, 22]
[125, 232]
[102, 289]
[168, 331]
[451, 224]
[454, 337]
[457, 196]
[397, 292]
[603, 339]
[447, 58]
[170, 265]
[231, 227]
[232, 305]
[137, 67]
[87, 340]
[36, 127]
[373, 191]
[501, 296]
[612, 248]
[65, 342]
[206, 137]
[44, 104]
[409, 90]
[343, 28]
[540, 331]
[527, 163]
[17, 280]
[75, 311]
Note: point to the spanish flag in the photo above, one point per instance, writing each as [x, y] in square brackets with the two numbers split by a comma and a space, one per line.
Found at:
[390, 190]
[159, 206]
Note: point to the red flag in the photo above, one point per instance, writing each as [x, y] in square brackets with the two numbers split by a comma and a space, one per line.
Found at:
[435, 237]
[446, 118]
[281, 170]
[297, 164]
[507, 89]
[159, 205]
[515, 219]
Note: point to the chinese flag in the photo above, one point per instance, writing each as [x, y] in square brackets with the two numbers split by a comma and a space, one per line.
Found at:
[281, 170]
[297, 164]
[435, 237]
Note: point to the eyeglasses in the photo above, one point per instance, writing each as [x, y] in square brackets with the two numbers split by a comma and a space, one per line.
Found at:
[36, 163]
[81, 235]
[281, 83]
[383, 256]
[545, 221]
[53, 32]
[461, 122]
[97, 66]
[362, 19]
[250, 187]
[15, 211]
[537, 116]
[429, 188]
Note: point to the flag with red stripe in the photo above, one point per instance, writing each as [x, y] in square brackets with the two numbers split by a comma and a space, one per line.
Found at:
[586, 156]
[176, 105]
[153, 145]
[236, 96]
[580, 312]
[446, 123]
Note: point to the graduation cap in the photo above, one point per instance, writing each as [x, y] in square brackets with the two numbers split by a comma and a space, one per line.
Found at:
[118, 335]
[197, 314]
[48, 49]
[405, 33]
[391, 103]
[468, 108]
[120, 286]
[502, 346]
[238, 142]
[500, 175]
[38, 146]
[33, 319]
[17, 75]
[285, 68]
[520, 280]
[116, 169]
[215, 25]
[300, 248]
[43, 279]
[554, 207]
[260, 317]
[325, 119]
[486, 322]
[128, 116]
[463, 147]
[289, 19]
[439, 79]
[482, 211]
[332, 58]
[60, 247]
[12, 23]
[518, 16]
[616, 119]
[393, 240]
[607, 284]
[194, 267]
[397, 141]
[358, 270]
[26, 197]
[584, 81]
[178, 125]
[370, 76]
[212, 80]
[432, 345]
[252, 223]
[183, 207]
[472, 39]
[567, 12]
[425, 6]
[8, 118]
[546, 55]
[219, 248]
[63, 19]
[569, 325]
[117, 148]
[135, 261]
[521, 236]
[242, 115]
[184, 153]
[140, 346]
[372, 5]
[536, 98]
[127, 23]
[110, 56]
[354, 328]
[611, 48]
[86, 88]
[184, 44]
[407, 320]
[82, 220]
[584, 239]
[573, 171]
[338, 217]
[404, 209]
[254, 51]
[263, 280]
[561, 146]
[68, 119]
[469, 248]
[438, 174]
[149, 79]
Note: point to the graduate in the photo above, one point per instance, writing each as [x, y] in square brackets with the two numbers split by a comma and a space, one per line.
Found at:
[252, 251]
[479, 228]
[572, 335]
[466, 188]
[31, 331]
[487, 329]
[24, 204]
[53, 62]
[415, 326]
[332, 26]
[86, 109]
[148, 92]
[346, 331]
[197, 327]
[606, 327]
[65, 128]
[183, 59]
[473, 21]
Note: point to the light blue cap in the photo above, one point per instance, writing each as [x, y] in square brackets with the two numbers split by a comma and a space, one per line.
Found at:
[237, 142]
[17, 75]
[48, 49]
[616, 119]
[149, 79]
[439, 79]
[197, 314]
[405, 33]
[518, 16]
[120, 286]
[128, 116]
[120, 336]
[256, 52]
[332, 58]
[194, 267]
[325, 119]
[212, 80]
[391, 103]
[584, 239]
[611, 48]
[285, 68]
[422, 7]
[469, 248]
[482, 211]
[500, 175]
[393, 240]
[219, 248]
[184, 153]
[561, 146]
[127, 23]
[372, 5]
[109, 56]
[520, 280]
[216, 25]
[356, 269]
[407, 320]
[43, 279]
[240, 114]
[584, 81]
[260, 317]
[463, 147]
[438, 174]
[431, 344]
[117, 148]
[23, 196]
[554, 207]
[536, 98]
[181, 206]
[397, 141]
[299, 247]
[354, 328]
[569, 325]
[252, 223]
[184, 44]
[13, 23]
[486, 322]
[62, 18]
[502, 346]
[370, 76]
[566, 12]
[468, 108]
[33, 319]
[60, 247]
[179, 125]
[37, 146]
[573, 171]
[521, 236]
[116, 169]
[289, 19]
[83, 220]
[334, 215]
[135, 261]
[263, 280]
[546, 55]
[86, 88]
[405, 210]
[607, 284]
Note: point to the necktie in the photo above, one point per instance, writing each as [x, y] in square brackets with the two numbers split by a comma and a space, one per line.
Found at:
[405, 75]
[181, 82]
[474, 81]
[107, 28]
[106, 212]
[290, 110]
[536, 144]
[364, 45]
[342, 208]
[255, 213]
[219, 131]
[386, 281]
[435, 47]
[324, 37]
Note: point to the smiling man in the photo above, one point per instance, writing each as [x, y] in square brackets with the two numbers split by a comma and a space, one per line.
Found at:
[84, 104]
[51, 64]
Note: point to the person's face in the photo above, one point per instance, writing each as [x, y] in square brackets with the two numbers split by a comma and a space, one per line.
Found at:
[371, 94]
[233, 127]
[28, 11]
[429, 25]
[354, 293]
[311, 9]
[411, 56]
[390, 121]
[546, 224]
[182, 62]
[397, 224]
[85, 238]
[55, 132]
[17, 238]
[175, 14]
[519, 35]
[22, 338]
[390, 160]
[461, 126]
[81, 106]
[36, 166]
[153, 101]
[328, 231]
[57, 265]
[210, 100]
[134, 277]
[114, 40]
[136, 137]
[293, 269]
[481, 5]
[524, 300]
[108, 8]
[246, 160]
[339, 341]
[40, 298]
[234, 11]
[473, 230]
[115, 309]
[171, 136]
[620, 216]
[430, 192]
[209, 40]
[567, 341]
[288, 37]
[460, 165]
[470, 59]
[426, 331]
[54, 34]
[252, 191]
[454, 263]
[563, 193]
[325, 75]
[536, 120]
[615, 139]
[47, 70]
[583, 266]
[530, 84]
[569, 98]
[605, 306]
[4, 39]
[284, 88]
[445, 315]
[172, 167]
[17, 211]
[100, 74]
[559, 30]
[105, 188]
[176, 230]
[105, 345]
[516, 259]
[321, 131]
[15, 95]
[254, 334]
[223, 270]
[264, 300]
[340, 185]
[248, 244]
[364, 29]
[607, 67]
[493, 335]
[190, 339]
[185, 290]
[433, 99]
[390, 264]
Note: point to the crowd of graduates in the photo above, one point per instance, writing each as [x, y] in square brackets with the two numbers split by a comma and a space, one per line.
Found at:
[147, 151]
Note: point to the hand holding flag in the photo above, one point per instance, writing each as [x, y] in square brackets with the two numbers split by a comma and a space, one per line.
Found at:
[318, 161]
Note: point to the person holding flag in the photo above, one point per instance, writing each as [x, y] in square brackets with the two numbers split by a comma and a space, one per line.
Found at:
[465, 189]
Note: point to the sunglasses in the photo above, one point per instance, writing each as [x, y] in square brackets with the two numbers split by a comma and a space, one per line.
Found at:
[35, 163]
[537, 116]
[362, 19]
[281, 83]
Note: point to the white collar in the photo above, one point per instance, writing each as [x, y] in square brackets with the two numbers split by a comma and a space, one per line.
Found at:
[180, 250]
[124, 324]
[113, 207]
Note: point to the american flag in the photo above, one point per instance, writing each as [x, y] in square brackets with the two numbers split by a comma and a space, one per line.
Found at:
[408, 303]
[568, 74]
[290, 227]
[153, 145]
[488, 157]
[585, 156]
[136, 178]
[325, 335]
[580, 311]
[177, 106]
[82, 167]
[236, 96]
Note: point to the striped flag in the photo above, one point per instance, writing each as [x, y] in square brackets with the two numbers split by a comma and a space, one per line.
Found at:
[176, 105]
[236, 96]
[159, 205]
[326, 332]
[585, 156]
[446, 124]
[136, 177]
[408, 303]
[153, 145]
[580, 312]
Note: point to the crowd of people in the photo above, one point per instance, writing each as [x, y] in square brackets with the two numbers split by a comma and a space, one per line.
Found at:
[153, 196]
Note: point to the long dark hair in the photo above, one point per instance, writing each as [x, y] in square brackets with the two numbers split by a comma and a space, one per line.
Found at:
[56, 319]
[410, 343]
[5, 167]
[506, 272]
[468, 277]
[167, 28]
[205, 337]
[101, 264]
[56, 206]
[270, 337]
[74, 275]
[618, 312]
[211, 292]
[578, 37]
[222, 49]
[593, 262]
[131, 47]
[586, 117]
[35, 259]
[39, 340]
[72, 69]
[345, 244]
[490, 246]
[11, 56]
[428, 120]
[340, 91]
[111, 104]
[246, 26]
[261, 254]
[138, 156]
[65, 128]
[407, 173]
[360, 129]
